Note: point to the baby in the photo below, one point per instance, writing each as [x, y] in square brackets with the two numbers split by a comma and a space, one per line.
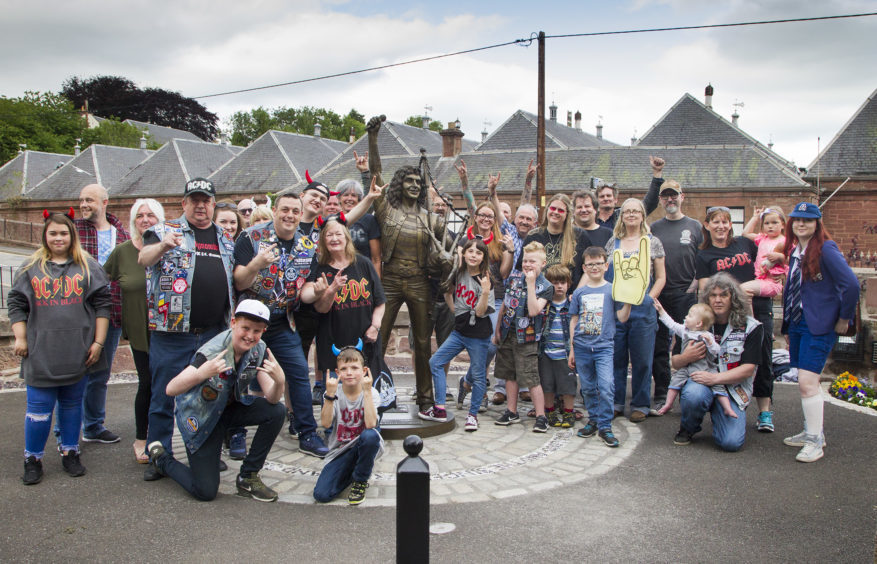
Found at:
[696, 328]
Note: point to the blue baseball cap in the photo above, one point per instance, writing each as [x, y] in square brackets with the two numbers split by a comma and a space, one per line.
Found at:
[806, 210]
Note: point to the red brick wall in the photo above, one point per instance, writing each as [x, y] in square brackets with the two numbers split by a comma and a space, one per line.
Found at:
[851, 214]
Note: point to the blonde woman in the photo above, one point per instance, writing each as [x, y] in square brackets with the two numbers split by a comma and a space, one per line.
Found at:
[564, 242]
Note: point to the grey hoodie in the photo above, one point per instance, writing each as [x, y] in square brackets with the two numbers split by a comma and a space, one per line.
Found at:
[60, 311]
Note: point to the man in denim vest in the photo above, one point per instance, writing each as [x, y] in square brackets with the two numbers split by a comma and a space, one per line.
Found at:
[183, 255]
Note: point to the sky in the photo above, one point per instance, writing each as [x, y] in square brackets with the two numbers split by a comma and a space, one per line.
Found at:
[797, 82]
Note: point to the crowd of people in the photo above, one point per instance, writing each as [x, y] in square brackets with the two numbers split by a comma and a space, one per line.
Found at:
[221, 308]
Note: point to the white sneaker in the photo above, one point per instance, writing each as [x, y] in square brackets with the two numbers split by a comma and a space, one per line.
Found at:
[471, 423]
[799, 440]
[812, 449]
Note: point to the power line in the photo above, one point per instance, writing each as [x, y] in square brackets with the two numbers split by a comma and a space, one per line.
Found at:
[526, 43]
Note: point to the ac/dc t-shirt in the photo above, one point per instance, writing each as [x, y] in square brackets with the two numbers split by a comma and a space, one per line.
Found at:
[244, 254]
[737, 259]
[209, 287]
[466, 296]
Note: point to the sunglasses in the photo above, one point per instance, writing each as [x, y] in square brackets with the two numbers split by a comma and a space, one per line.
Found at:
[556, 209]
[227, 206]
[246, 211]
[718, 209]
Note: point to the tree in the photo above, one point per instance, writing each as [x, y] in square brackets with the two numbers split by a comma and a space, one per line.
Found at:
[43, 121]
[248, 126]
[109, 96]
[118, 134]
[417, 121]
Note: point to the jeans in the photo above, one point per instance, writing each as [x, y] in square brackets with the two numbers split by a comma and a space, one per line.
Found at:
[595, 368]
[354, 464]
[477, 376]
[676, 304]
[169, 354]
[287, 349]
[94, 402]
[635, 340]
[491, 348]
[696, 400]
[201, 477]
[38, 418]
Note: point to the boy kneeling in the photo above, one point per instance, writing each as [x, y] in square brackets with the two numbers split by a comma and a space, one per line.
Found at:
[213, 395]
[355, 442]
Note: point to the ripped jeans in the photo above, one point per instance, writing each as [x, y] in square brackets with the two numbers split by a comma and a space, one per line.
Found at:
[38, 417]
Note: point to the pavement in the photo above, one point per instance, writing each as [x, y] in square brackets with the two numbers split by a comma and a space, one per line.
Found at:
[505, 494]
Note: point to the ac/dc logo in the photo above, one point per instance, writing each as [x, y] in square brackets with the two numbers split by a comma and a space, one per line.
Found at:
[62, 287]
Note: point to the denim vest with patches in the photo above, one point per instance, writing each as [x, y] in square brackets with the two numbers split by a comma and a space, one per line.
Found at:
[279, 284]
[198, 410]
[732, 343]
[169, 281]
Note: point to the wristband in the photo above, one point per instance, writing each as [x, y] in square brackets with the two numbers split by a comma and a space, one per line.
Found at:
[101, 345]
[328, 397]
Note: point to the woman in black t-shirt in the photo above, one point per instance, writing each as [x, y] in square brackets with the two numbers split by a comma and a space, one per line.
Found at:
[722, 252]
[347, 294]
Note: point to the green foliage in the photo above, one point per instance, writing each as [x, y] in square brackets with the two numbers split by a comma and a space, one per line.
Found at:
[417, 121]
[43, 121]
[118, 134]
[248, 126]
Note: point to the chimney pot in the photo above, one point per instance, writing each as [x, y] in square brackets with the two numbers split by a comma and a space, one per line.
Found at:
[734, 118]
[578, 120]
[76, 148]
[552, 112]
[452, 140]
[143, 141]
[352, 134]
[425, 121]
[484, 135]
[708, 96]
[569, 119]
[317, 129]
[599, 131]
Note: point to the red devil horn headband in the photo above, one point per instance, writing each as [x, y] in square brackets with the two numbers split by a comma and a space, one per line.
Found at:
[308, 176]
[71, 213]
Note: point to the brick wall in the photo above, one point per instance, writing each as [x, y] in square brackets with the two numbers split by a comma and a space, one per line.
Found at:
[851, 214]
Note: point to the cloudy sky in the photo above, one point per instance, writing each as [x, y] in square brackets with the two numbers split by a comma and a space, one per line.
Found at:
[797, 81]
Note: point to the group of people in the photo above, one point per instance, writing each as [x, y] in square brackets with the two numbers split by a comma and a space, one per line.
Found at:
[221, 311]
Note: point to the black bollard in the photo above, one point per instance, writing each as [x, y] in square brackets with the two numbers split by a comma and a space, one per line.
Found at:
[412, 505]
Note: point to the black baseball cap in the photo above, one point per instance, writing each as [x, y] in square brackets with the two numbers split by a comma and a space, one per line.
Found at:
[199, 185]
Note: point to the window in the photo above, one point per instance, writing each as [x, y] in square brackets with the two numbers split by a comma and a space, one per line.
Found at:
[455, 223]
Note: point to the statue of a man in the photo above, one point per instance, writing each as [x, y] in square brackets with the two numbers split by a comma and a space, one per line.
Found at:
[412, 246]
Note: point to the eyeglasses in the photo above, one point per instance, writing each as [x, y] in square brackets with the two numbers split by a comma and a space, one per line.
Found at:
[594, 264]
[631, 212]
[556, 209]
[484, 215]
[244, 211]
[718, 209]
[226, 205]
[670, 196]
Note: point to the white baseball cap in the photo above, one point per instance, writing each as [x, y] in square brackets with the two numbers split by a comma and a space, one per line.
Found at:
[254, 309]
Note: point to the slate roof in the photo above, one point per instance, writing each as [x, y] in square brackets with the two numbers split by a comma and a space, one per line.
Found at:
[275, 161]
[28, 169]
[168, 169]
[99, 164]
[690, 123]
[399, 139]
[519, 132]
[163, 134]
[853, 151]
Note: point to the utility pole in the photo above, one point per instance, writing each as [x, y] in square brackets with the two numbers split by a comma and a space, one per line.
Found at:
[540, 128]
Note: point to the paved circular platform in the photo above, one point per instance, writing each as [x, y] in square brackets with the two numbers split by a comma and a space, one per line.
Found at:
[494, 462]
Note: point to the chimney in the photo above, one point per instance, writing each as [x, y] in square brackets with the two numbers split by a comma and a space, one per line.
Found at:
[552, 112]
[452, 140]
[22, 147]
[143, 141]
[569, 119]
[633, 138]
[734, 118]
[76, 148]
[425, 121]
[484, 135]
[708, 96]
[317, 129]
[599, 130]
[578, 120]
[223, 139]
[352, 134]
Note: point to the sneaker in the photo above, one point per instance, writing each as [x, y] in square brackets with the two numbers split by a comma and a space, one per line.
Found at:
[554, 418]
[812, 449]
[799, 440]
[483, 407]
[656, 411]
[72, 465]
[155, 450]
[498, 398]
[312, 445]
[541, 425]
[471, 423]
[251, 485]
[609, 438]
[765, 422]
[637, 416]
[449, 397]
[433, 414]
[106, 437]
[568, 420]
[357, 493]
[589, 430]
[33, 471]
[507, 418]
[293, 432]
[317, 395]
[462, 392]
[682, 438]
[237, 446]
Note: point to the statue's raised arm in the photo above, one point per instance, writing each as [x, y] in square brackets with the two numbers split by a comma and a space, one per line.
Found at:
[374, 157]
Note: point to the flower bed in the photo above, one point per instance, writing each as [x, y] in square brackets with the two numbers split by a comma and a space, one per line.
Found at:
[847, 387]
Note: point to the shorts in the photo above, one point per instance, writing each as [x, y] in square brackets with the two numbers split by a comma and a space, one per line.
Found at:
[517, 362]
[556, 377]
[806, 351]
[768, 287]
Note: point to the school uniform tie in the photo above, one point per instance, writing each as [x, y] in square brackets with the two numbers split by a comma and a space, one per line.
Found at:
[793, 294]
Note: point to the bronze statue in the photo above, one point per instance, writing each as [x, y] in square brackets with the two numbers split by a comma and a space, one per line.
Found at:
[414, 243]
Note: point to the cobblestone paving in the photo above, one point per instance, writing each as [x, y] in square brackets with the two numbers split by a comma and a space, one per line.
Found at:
[492, 463]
